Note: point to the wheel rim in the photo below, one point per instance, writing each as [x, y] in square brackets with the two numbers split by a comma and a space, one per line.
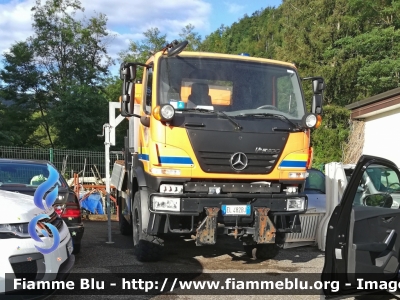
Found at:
[135, 227]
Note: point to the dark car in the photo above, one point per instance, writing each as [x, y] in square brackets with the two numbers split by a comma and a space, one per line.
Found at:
[24, 176]
[315, 182]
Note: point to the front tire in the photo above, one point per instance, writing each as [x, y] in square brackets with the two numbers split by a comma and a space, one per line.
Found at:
[146, 248]
[262, 251]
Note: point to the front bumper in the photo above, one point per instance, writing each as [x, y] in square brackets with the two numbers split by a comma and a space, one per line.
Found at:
[269, 215]
[20, 259]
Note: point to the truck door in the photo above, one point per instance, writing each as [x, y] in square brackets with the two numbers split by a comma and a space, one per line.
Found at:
[362, 242]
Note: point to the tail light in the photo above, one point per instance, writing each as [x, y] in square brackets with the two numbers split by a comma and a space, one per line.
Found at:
[72, 210]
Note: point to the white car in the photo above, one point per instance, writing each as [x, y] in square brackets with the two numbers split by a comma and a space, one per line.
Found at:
[19, 257]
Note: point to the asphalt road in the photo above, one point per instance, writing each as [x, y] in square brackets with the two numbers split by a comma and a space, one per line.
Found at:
[183, 256]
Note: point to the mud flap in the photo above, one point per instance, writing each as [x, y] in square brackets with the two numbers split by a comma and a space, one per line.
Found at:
[264, 229]
[207, 230]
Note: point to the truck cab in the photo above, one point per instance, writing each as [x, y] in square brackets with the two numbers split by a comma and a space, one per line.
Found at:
[217, 144]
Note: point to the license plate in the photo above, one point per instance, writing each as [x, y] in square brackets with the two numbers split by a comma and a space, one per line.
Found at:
[236, 210]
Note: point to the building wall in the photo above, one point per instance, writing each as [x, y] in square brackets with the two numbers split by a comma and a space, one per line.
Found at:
[382, 135]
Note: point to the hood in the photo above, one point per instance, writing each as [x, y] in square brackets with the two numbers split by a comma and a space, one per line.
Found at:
[20, 208]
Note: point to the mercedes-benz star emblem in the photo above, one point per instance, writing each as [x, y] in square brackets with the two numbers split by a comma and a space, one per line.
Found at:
[239, 161]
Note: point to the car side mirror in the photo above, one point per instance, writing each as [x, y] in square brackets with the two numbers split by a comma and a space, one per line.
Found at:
[381, 200]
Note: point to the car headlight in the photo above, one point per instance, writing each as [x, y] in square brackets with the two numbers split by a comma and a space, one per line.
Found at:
[14, 230]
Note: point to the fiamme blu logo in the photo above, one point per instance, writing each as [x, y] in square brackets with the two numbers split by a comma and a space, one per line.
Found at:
[45, 204]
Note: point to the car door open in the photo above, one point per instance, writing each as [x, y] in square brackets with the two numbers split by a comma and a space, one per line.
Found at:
[362, 243]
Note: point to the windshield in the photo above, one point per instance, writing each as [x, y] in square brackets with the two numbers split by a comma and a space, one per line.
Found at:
[231, 86]
[29, 175]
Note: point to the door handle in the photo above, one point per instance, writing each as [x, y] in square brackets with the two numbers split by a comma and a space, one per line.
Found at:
[389, 237]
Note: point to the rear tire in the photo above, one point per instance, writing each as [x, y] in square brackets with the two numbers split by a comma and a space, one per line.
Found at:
[146, 248]
[262, 251]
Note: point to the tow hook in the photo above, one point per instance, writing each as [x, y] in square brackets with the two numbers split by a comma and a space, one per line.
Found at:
[207, 230]
[264, 229]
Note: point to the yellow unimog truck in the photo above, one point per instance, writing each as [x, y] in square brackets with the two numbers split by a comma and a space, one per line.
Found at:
[217, 144]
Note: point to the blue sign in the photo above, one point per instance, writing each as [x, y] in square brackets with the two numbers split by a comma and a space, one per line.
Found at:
[51, 197]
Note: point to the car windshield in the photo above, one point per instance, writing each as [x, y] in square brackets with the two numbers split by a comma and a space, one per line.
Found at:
[232, 86]
[29, 175]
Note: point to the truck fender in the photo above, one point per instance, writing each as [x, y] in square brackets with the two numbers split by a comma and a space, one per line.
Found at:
[138, 173]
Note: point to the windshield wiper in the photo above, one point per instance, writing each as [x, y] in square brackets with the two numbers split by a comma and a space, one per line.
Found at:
[219, 113]
[282, 117]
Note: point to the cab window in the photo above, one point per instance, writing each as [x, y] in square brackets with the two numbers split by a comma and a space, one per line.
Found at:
[148, 90]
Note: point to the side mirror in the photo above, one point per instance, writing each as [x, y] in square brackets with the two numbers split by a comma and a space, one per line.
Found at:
[318, 86]
[316, 107]
[127, 73]
[381, 200]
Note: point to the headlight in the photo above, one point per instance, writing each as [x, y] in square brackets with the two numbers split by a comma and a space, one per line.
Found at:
[14, 230]
[164, 113]
[310, 120]
[158, 171]
[167, 112]
[295, 204]
[166, 203]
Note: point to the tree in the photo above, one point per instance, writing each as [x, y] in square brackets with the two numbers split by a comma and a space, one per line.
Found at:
[329, 139]
[140, 51]
[24, 89]
[64, 64]
[192, 37]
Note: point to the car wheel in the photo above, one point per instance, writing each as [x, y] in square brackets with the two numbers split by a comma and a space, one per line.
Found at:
[146, 247]
[262, 251]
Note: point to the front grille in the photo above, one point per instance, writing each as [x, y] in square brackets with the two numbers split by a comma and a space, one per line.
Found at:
[220, 162]
[26, 269]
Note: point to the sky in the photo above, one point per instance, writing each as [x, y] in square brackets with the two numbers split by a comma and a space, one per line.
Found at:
[127, 20]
